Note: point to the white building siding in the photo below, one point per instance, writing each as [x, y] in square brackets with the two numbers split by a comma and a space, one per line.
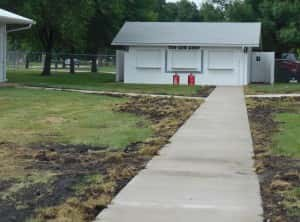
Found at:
[219, 66]
[2, 52]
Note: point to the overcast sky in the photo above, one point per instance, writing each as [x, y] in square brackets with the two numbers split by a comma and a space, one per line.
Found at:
[196, 1]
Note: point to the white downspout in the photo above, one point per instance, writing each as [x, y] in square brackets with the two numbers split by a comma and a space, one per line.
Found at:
[20, 29]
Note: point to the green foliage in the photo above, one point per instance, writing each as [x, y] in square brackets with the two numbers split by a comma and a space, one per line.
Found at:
[103, 24]
[57, 22]
[210, 13]
[281, 20]
[90, 25]
[239, 11]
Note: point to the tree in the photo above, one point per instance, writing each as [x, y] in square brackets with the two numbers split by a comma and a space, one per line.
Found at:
[137, 10]
[180, 11]
[73, 29]
[102, 26]
[240, 11]
[57, 21]
[210, 13]
[187, 11]
[281, 24]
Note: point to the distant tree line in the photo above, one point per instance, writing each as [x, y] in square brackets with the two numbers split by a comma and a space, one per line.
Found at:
[88, 26]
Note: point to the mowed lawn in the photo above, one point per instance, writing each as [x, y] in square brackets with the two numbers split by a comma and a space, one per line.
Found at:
[38, 116]
[287, 140]
[100, 82]
[277, 88]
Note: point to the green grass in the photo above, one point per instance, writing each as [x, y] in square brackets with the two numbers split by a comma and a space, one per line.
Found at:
[272, 89]
[287, 140]
[100, 82]
[38, 116]
[107, 69]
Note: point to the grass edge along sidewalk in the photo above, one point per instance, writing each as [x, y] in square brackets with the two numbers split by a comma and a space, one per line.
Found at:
[276, 88]
[275, 126]
[102, 82]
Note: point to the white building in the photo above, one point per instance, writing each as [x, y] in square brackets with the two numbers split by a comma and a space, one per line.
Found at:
[216, 53]
[6, 19]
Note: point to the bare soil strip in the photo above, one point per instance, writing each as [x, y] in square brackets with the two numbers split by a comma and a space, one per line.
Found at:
[81, 180]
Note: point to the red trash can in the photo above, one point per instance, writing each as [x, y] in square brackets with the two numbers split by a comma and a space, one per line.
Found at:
[176, 79]
[191, 80]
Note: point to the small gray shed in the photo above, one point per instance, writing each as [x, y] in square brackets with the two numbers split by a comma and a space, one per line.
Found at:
[217, 53]
[8, 18]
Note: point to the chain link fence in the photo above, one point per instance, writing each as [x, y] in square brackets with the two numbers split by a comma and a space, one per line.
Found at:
[61, 62]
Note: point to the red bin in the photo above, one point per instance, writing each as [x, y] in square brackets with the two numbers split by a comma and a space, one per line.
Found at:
[191, 80]
[176, 79]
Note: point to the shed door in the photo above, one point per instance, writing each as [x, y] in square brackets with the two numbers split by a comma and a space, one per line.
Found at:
[262, 68]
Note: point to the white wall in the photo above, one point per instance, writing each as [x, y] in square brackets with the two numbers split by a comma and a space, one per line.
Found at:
[221, 66]
[2, 53]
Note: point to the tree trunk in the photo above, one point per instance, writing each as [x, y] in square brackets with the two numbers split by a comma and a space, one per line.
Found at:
[94, 67]
[27, 61]
[47, 64]
[48, 46]
[64, 63]
[72, 65]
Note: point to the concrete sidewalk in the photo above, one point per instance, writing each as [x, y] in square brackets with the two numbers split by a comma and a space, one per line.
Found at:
[204, 175]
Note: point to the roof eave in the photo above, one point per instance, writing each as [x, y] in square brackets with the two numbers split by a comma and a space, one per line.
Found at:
[250, 45]
[10, 21]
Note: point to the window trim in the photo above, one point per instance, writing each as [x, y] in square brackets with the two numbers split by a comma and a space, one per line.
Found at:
[185, 70]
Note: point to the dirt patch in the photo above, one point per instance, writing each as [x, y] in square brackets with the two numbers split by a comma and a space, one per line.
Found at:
[205, 91]
[167, 115]
[278, 175]
[64, 182]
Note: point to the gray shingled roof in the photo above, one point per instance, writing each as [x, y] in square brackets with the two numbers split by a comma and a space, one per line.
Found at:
[7, 17]
[189, 33]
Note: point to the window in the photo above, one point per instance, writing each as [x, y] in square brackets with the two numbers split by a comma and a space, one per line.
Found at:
[148, 58]
[184, 59]
[220, 60]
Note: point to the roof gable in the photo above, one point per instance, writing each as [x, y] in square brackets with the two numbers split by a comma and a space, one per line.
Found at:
[189, 33]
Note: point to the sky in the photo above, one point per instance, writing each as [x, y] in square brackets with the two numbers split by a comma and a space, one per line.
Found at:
[198, 2]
